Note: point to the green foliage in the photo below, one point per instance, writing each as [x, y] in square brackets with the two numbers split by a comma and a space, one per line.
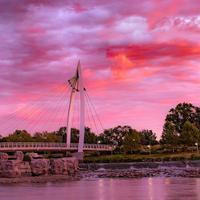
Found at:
[181, 113]
[126, 139]
[182, 125]
[74, 135]
[190, 134]
[115, 135]
[56, 136]
[19, 136]
[46, 137]
[90, 137]
[148, 137]
[131, 141]
[1, 138]
[169, 135]
[61, 133]
[141, 158]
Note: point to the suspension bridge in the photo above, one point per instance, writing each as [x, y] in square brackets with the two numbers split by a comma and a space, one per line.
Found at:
[76, 88]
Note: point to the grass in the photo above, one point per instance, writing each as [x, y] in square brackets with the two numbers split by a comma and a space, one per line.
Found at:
[141, 158]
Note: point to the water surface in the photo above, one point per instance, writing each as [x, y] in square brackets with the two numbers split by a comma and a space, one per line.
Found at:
[106, 189]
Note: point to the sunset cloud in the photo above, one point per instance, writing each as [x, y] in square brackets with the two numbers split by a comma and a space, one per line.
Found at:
[140, 58]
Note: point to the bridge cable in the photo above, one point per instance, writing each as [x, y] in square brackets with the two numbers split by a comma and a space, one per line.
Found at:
[90, 110]
[89, 99]
[31, 108]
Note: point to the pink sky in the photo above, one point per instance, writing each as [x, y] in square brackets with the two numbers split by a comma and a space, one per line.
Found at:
[140, 58]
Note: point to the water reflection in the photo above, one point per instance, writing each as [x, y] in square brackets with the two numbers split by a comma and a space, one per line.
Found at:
[107, 189]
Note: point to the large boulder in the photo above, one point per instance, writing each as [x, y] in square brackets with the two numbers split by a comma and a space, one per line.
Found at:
[57, 166]
[3, 156]
[32, 156]
[25, 169]
[10, 168]
[19, 155]
[14, 168]
[72, 165]
[65, 166]
[39, 167]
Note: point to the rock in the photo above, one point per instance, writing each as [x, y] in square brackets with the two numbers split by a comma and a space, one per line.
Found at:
[65, 166]
[25, 169]
[10, 168]
[31, 156]
[3, 156]
[39, 167]
[58, 166]
[72, 164]
[19, 155]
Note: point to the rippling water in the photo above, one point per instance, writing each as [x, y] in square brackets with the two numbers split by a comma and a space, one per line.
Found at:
[107, 189]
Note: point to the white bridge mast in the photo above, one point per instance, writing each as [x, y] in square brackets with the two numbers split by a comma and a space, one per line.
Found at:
[77, 85]
[82, 110]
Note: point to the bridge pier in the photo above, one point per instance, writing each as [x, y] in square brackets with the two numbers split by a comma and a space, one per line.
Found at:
[78, 155]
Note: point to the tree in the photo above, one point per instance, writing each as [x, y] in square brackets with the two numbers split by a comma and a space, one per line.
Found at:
[74, 135]
[51, 137]
[190, 134]
[131, 141]
[169, 135]
[38, 137]
[180, 124]
[46, 137]
[19, 136]
[61, 133]
[181, 113]
[148, 137]
[197, 117]
[115, 136]
[90, 137]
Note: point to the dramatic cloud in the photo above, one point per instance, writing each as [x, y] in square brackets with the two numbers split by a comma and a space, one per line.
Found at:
[139, 58]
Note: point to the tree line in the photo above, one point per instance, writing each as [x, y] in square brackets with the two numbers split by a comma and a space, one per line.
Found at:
[122, 137]
[181, 127]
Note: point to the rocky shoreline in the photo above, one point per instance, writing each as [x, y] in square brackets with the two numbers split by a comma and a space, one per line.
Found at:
[42, 170]
[142, 173]
[38, 179]
[187, 169]
[109, 173]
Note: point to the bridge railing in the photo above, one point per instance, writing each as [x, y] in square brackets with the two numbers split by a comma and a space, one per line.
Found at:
[32, 145]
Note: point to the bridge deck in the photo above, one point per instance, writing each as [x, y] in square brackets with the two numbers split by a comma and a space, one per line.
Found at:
[38, 146]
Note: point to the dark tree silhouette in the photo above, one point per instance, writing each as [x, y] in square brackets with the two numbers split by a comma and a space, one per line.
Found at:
[148, 137]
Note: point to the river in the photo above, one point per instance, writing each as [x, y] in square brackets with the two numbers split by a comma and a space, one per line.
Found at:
[106, 189]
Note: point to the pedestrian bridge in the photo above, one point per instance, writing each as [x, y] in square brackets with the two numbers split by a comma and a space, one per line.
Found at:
[85, 108]
[44, 146]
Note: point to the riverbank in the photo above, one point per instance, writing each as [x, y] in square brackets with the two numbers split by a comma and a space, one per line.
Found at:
[38, 179]
[189, 169]
[120, 158]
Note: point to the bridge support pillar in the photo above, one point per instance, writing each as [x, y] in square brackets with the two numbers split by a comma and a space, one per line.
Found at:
[78, 155]
[82, 112]
[69, 117]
